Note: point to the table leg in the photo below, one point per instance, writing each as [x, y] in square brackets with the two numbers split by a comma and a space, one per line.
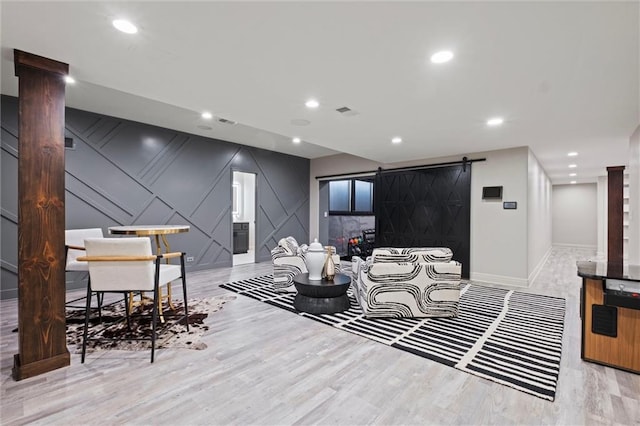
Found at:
[159, 301]
[167, 249]
[130, 301]
[142, 296]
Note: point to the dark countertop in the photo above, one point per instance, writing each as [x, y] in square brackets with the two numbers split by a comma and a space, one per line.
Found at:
[604, 270]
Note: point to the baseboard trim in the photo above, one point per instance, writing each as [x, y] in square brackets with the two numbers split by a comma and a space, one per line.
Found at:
[582, 246]
[498, 279]
[24, 371]
[536, 271]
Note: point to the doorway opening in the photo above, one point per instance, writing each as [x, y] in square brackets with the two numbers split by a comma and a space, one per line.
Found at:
[243, 213]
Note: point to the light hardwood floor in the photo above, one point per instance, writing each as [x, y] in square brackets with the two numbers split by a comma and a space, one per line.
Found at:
[266, 366]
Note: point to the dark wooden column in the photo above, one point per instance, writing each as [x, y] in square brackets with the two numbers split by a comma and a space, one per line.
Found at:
[615, 213]
[41, 281]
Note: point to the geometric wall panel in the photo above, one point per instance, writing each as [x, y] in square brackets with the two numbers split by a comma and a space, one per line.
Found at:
[122, 172]
[156, 211]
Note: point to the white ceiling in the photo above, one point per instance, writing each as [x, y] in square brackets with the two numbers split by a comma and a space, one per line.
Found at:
[564, 75]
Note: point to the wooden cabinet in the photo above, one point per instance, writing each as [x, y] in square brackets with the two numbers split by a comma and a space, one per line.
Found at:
[240, 237]
[610, 334]
[610, 313]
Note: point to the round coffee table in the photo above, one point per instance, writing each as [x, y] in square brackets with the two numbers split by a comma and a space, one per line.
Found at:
[321, 296]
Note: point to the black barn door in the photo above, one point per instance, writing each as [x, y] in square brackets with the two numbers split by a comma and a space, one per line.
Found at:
[425, 208]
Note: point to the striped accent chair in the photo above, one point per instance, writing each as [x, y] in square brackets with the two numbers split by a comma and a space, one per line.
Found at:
[289, 260]
[412, 255]
[410, 282]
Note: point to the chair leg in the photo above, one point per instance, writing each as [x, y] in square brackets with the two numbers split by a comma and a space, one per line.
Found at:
[153, 323]
[85, 333]
[186, 307]
[127, 310]
[97, 299]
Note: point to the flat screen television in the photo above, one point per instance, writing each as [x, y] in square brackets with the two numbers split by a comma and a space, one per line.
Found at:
[492, 193]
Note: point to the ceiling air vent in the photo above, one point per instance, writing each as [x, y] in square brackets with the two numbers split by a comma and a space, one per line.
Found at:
[225, 121]
[346, 111]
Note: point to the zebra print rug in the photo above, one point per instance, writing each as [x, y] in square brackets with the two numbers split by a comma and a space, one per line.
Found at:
[509, 337]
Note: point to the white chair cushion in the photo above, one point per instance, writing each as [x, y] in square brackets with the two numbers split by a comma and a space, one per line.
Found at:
[77, 266]
[120, 275]
[76, 237]
[169, 273]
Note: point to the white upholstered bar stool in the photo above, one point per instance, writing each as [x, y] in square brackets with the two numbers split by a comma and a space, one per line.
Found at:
[125, 265]
[74, 247]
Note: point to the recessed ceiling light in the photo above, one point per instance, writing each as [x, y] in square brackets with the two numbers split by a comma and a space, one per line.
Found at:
[495, 121]
[573, 182]
[203, 127]
[312, 103]
[573, 174]
[396, 139]
[206, 115]
[441, 57]
[125, 26]
[296, 140]
[69, 80]
[573, 166]
[572, 154]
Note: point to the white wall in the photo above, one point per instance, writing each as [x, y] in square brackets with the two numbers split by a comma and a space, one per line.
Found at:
[634, 198]
[539, 217]
[602, 216]
[499, 238]
[575, 215]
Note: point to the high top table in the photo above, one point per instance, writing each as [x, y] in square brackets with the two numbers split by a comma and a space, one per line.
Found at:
[160, 232]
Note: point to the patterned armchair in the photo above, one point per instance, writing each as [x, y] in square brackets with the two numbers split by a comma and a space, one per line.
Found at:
[411, 282]
[412, 255]
[289, 260]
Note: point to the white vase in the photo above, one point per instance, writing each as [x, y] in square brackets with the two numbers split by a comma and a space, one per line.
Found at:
[315, 260]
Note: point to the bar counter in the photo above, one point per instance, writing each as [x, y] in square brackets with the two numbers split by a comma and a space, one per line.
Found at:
[610, 313]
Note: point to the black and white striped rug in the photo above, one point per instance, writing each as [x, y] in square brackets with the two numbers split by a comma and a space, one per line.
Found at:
[509, 337]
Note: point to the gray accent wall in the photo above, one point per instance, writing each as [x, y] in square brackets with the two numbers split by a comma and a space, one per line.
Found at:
[121, 172]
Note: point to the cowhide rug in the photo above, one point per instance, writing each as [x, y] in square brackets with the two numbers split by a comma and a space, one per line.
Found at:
[171, 334]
